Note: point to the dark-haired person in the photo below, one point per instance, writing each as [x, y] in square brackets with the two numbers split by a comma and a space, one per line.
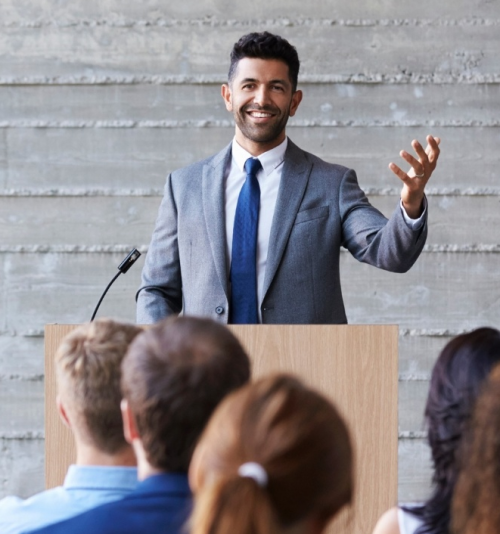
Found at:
[476, 500]
[457, 379]
[87, 365]
[276, 458]
[253, 234]
[173, 377]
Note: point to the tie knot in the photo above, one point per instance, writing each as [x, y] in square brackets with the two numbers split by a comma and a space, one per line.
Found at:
[252, 166]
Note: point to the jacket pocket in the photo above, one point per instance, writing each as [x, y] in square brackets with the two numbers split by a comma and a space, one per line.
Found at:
[311, 214]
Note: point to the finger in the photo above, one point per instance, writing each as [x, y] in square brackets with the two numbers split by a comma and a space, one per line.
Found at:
[433, 142]
[418, 166]
[398, 172]
[419, 149]
[433, 149]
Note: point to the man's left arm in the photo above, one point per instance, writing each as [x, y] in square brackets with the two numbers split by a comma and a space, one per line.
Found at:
[393, 244]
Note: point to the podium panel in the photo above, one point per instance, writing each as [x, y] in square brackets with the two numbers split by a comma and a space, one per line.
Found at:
[356, 366]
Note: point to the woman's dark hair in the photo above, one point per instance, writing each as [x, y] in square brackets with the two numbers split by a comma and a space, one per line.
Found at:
[457, 379]
[266, 45]
[476, 501]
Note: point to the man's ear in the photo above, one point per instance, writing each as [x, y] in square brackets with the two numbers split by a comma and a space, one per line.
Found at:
[129, 426]
[61, 410]
[227, 96]
[296, 100]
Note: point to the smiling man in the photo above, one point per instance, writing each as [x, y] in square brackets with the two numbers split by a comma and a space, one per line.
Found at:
[253, 234]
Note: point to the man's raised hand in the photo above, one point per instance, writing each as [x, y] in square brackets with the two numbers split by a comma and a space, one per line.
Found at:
[415, 180]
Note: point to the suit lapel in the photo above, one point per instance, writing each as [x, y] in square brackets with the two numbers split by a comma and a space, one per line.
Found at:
[214, 211]
[293, 184]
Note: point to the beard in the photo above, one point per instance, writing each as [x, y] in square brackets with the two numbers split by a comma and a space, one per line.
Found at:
[261, 133]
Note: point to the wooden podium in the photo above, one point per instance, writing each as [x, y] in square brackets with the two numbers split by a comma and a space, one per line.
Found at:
[356, 366]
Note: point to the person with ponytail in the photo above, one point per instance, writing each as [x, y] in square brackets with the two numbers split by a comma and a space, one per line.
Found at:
[457, 379]
[476, 502]
[276, 458]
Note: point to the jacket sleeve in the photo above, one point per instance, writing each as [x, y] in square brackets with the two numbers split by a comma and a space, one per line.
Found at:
[390, 244]
[160, 294]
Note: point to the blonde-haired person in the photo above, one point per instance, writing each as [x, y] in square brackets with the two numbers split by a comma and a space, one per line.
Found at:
[476, 502]
[173, 377]
[275, 458]
[88, 376]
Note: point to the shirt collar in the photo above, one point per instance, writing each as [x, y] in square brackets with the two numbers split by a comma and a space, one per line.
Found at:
[93, 476]
[270, 160]
[171, 483]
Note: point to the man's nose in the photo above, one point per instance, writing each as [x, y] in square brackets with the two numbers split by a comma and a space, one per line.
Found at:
[261, 95]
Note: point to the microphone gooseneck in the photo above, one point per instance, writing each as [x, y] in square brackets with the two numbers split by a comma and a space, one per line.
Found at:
[124, 266]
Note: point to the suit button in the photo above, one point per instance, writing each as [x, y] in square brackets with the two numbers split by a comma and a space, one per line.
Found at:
[219, 310]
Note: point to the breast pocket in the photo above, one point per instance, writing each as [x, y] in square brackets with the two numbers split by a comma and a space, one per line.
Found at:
[312, 214]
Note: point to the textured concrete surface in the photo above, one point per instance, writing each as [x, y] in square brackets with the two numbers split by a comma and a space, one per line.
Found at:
[100, 100]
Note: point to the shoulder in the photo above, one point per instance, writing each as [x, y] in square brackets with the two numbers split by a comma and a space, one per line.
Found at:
[388, 523]
[296, 155]
[196, 169]
[18, 515]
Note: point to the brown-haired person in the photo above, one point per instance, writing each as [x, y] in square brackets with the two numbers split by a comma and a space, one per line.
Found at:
[173, 377]
[476, 502]
[88, 373]
[275, 458]
[457, 379]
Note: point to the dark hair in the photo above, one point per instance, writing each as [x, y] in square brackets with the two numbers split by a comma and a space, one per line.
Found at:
[266, 45]
[457, 379]
[173, 377]
[476, 501]
[296, 435]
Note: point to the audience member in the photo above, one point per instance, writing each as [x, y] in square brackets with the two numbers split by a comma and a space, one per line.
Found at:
[87, 367]
[275, 458]
[476, 501]
[457, 378]
[173, 377]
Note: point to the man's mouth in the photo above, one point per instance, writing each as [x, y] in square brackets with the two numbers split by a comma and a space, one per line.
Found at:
[260, 114]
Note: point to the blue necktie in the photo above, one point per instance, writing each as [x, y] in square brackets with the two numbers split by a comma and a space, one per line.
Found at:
[244, 252]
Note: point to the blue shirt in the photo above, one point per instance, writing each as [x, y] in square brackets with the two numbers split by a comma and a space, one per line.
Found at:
[84, 487]
[160, 504]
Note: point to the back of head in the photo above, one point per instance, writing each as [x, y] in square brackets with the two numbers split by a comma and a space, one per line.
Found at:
[300, 441]
[173, 377]
[476, 502]
[456, 381]
[88, 379]
[266, 45]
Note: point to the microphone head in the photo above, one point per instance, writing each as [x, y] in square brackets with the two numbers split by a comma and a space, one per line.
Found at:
[131, 258]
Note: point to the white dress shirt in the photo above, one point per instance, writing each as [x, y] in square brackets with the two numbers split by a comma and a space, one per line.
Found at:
[269, 178]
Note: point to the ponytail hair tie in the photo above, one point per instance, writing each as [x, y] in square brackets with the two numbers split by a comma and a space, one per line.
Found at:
[255, 471]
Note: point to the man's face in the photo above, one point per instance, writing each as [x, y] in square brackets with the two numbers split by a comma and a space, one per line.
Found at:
[261, 98]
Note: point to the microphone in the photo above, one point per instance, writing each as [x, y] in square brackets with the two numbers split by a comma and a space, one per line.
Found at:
[124, 266]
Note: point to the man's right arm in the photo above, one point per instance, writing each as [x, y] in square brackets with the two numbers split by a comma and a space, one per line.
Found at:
[160, 293]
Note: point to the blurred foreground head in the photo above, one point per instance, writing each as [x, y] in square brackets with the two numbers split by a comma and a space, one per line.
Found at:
[457, 379]
[476, 502]
[88, 369]
[304, 472]
[173, 377]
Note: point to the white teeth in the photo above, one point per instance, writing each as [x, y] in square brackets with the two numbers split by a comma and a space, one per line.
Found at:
[260, 114]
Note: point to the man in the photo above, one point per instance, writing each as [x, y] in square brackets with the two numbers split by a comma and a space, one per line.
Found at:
[88, 382]
[174, 375]
[253, 233]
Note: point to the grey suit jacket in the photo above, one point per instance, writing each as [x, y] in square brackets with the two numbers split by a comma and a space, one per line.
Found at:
[320, 208]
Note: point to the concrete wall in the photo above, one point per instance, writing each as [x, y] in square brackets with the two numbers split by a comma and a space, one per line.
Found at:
[100, 100]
